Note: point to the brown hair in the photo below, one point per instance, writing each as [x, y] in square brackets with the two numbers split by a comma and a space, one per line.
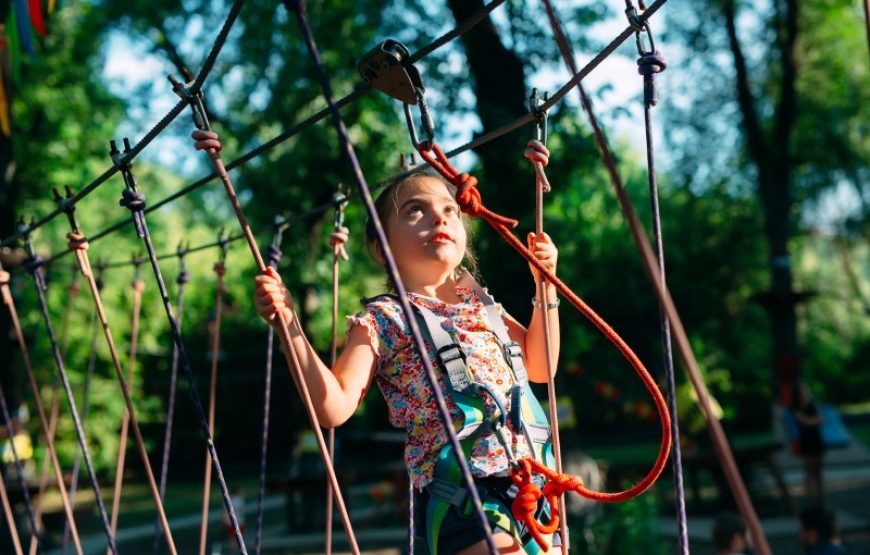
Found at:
[385, 206]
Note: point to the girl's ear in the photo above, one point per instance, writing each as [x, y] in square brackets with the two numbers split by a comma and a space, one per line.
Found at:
[379, 253]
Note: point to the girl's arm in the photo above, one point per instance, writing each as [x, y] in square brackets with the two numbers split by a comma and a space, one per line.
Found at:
[335, 393]
[532, 339]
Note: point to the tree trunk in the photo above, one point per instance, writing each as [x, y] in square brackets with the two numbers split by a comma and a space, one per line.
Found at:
[772, 159]
[507, 186]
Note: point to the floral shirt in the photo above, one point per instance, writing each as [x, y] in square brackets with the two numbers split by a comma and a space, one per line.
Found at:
[402, 379]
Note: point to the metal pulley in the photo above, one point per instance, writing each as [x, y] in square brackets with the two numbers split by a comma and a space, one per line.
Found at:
[386, 68]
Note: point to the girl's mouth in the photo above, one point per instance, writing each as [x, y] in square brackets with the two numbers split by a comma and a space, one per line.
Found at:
[439, 238]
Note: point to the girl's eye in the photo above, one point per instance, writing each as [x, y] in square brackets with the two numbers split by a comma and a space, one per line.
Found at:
[413, 209]
[451, 210]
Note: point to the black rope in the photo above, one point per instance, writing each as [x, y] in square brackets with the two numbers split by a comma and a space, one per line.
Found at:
[146, 140]
[86, 391]
[649, 64]
[34, 264]
[208, 64]
[273, 255]
[182, 279]
[19, 469]
[298, 7]
[135, 202]
[357, 93]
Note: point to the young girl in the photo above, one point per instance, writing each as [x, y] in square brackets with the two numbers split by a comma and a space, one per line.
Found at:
[428, 238]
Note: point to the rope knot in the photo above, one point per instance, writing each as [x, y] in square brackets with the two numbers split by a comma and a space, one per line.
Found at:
[649, 64]
[138, 285]
[5, 277]
[337, 239]
[274, 255]
[536, 152]
[220, 269]
[77, 242]
[183, 277]
[206, 140]
[132, 200]
[467, 194]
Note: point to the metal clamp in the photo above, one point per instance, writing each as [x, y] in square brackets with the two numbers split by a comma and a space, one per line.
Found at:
[540, 132]
[65, 204]
[193, 97]
[339, 201]
[122, 163]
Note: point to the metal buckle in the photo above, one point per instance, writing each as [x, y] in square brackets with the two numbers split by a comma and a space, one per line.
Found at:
[513, 350]
[449, 353]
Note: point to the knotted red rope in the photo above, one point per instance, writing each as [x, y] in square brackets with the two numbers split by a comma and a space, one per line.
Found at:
[524, 506]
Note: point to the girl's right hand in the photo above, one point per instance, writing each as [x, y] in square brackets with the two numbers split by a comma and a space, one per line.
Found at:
[270, 296]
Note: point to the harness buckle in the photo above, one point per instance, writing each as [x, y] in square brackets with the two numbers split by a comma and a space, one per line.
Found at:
[450, 353]
[512, 350]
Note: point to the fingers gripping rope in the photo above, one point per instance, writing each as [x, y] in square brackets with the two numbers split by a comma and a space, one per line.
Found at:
[469, 200]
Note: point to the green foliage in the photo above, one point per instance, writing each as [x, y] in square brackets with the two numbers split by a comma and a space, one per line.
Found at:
[629, 527]
[264, 83]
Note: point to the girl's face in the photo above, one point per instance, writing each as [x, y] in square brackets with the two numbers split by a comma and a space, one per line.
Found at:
[425, 229]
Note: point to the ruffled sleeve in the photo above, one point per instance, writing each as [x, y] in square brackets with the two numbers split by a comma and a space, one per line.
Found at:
[367, 320]
[387, 331]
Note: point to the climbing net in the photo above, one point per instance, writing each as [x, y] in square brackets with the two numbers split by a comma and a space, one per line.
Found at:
[469, 198]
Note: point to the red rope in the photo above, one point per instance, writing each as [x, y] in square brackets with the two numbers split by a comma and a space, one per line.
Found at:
[469, 200]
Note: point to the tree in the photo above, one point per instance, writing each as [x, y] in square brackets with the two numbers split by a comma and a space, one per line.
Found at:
[771, 91]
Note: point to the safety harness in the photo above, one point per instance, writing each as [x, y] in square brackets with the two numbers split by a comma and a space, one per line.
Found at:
[526, 417]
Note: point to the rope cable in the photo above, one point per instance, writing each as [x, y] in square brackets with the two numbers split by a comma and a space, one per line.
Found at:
[79, 242]
[134, 200]
[337, 239]
[86, 396]
[34, 265]
[146, 140]
[181, 280]
[19, 470]
[298, 8]
[10, 518]
[43, 421]
[355, 95]
[215, 332]
[138, 287]
[273, 254]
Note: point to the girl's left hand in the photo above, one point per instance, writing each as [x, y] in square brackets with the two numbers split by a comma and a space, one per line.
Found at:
[544, 250]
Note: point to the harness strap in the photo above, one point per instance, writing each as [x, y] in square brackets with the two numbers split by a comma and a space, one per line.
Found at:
[448, 353]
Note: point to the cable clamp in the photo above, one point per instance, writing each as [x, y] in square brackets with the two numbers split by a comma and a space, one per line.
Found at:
[194, 98]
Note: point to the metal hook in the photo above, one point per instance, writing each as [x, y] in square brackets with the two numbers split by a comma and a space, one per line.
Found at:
[426, 122]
